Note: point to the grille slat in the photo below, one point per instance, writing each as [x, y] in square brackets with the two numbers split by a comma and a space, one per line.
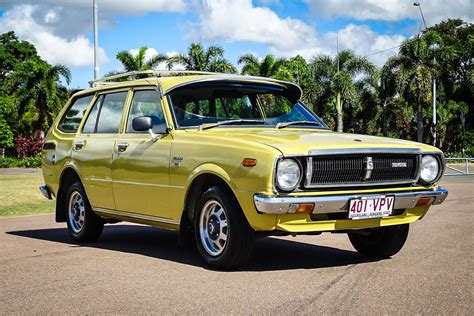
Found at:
[351, 169]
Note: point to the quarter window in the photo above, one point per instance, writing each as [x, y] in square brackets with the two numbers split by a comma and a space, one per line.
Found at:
[110, 113]
[146, 103]
[71, 121]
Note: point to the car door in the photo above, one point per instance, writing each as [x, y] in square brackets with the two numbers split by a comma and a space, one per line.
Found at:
[94, 146]
[140, 168]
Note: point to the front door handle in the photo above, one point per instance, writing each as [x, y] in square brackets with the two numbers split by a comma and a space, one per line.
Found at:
[78, 145]
[122, 147]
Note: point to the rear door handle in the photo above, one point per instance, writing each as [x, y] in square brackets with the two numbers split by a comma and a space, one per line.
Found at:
[122, 147]
[79, 144]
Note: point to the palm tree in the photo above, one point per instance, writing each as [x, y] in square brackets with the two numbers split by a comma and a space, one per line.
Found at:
[412, 70]
[137, 62]
[200, 59]
[338, 76]
[269, 66]
[36, 87]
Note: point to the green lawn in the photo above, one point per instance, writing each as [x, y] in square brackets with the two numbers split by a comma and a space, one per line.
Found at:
[19, 195]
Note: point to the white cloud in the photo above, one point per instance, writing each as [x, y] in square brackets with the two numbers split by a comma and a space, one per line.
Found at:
[392, 10]
[240, 20]
[69, 18]
[364, 41]
[134, 7]
[77, 52]
[149, 53]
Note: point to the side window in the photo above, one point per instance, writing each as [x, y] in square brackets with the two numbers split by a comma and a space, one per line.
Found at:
[110, 113]
[146, 103]
[89, 126]
[71, 121]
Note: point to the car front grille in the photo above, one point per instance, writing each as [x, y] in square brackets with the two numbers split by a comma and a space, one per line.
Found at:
[357, 170]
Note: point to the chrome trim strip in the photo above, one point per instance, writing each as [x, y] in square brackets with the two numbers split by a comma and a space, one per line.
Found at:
[309, 171]
[149, 184]
[355, 151]
[98, 180]
[359, 184]
[339, 203]
[150, 218]
[137, 183]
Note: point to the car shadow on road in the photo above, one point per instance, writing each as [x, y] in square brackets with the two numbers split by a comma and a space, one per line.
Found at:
[269, 254]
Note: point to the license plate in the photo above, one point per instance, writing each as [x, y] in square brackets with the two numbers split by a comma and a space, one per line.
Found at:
[371, 207]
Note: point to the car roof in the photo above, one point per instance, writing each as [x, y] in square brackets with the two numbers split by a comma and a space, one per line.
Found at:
[170, 83]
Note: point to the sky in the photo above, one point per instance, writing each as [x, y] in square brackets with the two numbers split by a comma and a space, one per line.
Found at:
[62, 30]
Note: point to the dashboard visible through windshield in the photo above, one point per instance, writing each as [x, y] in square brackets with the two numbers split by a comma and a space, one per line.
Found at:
[239, 104]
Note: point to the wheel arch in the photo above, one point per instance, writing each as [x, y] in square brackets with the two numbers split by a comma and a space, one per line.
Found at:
[200, 180]
[68, 176]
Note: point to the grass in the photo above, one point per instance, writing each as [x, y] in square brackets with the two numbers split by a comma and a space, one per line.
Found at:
[19, 195]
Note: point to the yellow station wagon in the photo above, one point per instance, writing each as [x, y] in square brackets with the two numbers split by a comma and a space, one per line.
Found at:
[224, 159]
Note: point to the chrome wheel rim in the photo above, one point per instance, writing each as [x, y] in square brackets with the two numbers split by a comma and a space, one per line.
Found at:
[213, 228]
[77, 212]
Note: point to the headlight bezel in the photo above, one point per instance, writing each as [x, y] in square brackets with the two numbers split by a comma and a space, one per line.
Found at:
[275, 174]
[439, 157]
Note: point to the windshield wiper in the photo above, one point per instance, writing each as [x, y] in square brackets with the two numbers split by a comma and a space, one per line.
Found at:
[229, 122]
[283, 125]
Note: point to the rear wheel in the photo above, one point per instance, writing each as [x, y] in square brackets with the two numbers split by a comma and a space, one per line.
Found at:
[82, 223]
[381, 242]
[223, 236]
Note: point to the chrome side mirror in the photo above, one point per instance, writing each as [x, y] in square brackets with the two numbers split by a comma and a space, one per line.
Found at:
[145, 123]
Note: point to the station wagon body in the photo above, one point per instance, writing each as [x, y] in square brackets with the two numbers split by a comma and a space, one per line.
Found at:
[224, 159]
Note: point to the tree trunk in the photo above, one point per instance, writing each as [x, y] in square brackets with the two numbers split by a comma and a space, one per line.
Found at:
[419, 123]
[384, 119]
[339, 113]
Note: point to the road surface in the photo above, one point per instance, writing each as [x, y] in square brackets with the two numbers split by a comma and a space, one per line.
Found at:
[138, 269]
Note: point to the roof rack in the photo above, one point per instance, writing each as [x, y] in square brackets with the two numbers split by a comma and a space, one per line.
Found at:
[140, 74]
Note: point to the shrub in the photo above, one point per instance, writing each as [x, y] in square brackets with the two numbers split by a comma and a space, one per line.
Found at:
[29, 146]
[30, 162]
[6, 134]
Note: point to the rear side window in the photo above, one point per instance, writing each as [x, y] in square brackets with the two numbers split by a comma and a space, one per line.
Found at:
[71, 121]
[110, 113]
[89, 126]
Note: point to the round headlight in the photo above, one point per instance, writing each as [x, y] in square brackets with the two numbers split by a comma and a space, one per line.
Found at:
[288, 174]
[429, 169]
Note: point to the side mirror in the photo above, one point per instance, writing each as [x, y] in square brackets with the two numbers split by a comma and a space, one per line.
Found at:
[144, 123]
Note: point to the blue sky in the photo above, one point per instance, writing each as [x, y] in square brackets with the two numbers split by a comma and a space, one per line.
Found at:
[62, 29]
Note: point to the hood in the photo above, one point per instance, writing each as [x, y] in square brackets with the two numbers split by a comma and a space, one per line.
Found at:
[302, 141]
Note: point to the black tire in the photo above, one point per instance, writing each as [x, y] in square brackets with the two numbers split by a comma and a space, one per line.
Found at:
[382, 242]
[82, 223]
[236, 250]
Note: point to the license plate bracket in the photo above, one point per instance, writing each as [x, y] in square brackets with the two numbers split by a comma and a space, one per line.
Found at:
[371, 207]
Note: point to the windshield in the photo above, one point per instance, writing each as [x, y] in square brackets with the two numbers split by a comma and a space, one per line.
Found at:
[255, 105]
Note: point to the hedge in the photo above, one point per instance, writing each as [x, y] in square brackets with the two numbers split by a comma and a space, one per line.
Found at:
[30, 162]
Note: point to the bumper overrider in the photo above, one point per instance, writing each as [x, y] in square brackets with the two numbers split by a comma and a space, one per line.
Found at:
[339, 203]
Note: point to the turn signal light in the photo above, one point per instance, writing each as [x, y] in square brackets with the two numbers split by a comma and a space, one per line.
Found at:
[301, 208]
[249, 162]
[423, 201]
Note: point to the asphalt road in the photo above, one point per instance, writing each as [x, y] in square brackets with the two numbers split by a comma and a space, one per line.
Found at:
[139, 269]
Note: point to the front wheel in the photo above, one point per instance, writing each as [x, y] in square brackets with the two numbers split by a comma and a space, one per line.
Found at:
[82, 223]
[381, 242]
[223, 236]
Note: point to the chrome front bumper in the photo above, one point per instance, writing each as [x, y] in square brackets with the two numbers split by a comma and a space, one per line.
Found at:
[339, 203]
